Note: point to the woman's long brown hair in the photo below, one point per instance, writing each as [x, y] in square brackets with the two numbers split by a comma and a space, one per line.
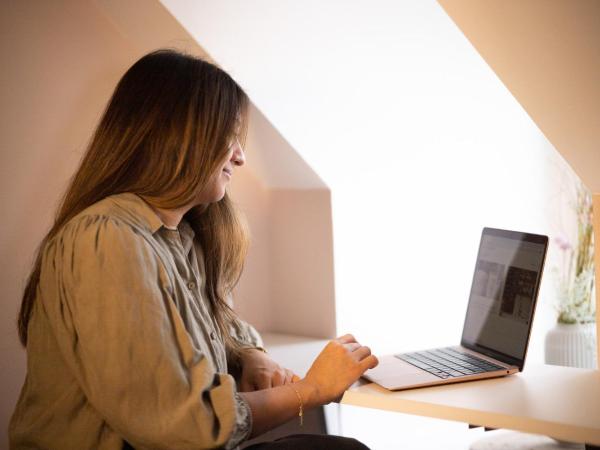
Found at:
[163, 135]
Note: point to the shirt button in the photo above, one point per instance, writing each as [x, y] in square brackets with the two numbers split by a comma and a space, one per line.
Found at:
[213, 336]
[191, 285]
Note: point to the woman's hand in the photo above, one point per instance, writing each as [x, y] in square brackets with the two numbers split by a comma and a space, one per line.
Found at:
[339, 364]
[259, 371]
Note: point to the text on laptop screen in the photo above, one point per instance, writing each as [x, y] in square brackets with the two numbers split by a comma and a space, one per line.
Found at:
[503, 294]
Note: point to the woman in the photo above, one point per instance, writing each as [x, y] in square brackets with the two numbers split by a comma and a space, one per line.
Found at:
[125, 317]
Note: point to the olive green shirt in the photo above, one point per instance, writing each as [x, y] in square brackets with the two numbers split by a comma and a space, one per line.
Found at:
[122, 345]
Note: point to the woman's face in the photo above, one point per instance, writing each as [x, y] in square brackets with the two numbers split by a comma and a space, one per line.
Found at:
[215, 188]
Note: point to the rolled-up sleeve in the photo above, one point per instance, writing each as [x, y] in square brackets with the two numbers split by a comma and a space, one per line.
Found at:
[120, 333]
[246, 335]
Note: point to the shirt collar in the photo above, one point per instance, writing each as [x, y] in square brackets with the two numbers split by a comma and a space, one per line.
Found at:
[143, 214]
[140, 211]
[187, 235]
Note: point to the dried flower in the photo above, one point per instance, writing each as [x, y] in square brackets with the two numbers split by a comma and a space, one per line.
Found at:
[576, 299]
[563, 243]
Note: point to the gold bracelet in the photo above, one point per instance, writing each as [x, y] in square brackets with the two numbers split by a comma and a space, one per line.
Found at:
[301, 408]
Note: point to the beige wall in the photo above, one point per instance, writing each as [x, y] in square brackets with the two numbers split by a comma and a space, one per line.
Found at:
[301, 268]
[252, 297]
[61, 62]
[288, 282]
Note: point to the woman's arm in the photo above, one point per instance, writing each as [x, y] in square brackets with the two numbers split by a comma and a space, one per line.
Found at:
[258, 371]
[121, 335]
[339, 365]
[111, 310]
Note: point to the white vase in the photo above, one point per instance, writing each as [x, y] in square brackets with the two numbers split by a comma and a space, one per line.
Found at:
[572, 345]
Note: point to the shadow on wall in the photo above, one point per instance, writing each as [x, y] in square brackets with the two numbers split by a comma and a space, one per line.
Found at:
[288, 282]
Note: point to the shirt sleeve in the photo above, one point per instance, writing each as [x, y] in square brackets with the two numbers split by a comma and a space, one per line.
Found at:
[110, 302]
[246, 335]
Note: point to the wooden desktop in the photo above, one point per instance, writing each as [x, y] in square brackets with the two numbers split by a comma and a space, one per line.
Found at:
[560, 402]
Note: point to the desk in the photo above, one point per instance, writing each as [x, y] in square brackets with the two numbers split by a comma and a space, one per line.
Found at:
[561, 402]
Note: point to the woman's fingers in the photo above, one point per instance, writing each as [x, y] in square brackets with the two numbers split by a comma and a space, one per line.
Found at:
[364, 358]
[264, 380]
[289, 376]
[362, 352]
[277, 379]
[340, 363]
[283, 376]
[346, 339]
[362, 355]
[352, 346]
[369, 362]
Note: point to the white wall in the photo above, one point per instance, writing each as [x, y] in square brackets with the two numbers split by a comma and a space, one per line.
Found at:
[548, 55]
[418, 140]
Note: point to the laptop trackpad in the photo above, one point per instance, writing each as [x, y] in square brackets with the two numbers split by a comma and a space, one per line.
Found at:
[394, 373]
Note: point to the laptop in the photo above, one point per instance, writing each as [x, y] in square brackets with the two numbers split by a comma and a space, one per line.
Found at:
[497, 325]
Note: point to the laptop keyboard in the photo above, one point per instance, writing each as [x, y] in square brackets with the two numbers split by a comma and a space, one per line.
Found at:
[448, 362]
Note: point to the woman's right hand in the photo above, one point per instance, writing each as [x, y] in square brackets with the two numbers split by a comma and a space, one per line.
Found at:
[340, 363]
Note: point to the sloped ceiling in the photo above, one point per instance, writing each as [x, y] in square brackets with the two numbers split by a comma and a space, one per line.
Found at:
[547, 53]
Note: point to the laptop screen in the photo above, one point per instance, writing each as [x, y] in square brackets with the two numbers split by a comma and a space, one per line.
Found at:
[504, 293]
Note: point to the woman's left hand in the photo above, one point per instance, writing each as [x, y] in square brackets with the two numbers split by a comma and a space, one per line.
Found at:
[259, 371]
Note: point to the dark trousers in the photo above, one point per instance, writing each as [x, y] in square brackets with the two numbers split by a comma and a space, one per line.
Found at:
[310, 442]
[302, 442]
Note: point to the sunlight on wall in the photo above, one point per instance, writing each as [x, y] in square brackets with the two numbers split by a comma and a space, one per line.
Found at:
[418, 140]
